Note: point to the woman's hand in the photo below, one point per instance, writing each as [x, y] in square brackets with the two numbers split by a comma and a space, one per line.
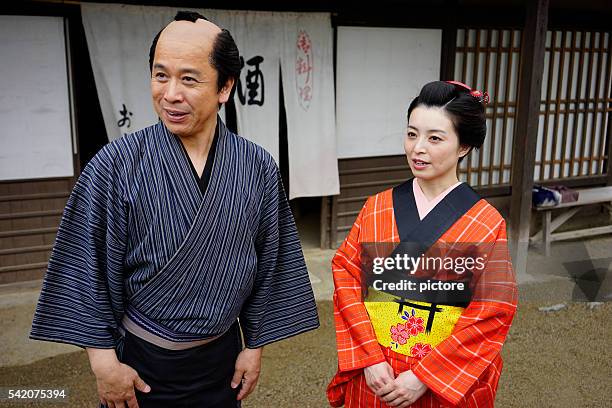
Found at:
[378, 376]
[406, 389]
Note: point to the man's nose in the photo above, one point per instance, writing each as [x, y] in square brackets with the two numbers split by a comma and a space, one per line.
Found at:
[173, 91]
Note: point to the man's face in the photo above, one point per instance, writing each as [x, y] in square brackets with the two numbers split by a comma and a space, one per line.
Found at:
[183, 83]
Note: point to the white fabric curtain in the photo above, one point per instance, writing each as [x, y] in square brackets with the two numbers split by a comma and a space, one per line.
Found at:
[308, 89]
[258, 37]
[119, 37]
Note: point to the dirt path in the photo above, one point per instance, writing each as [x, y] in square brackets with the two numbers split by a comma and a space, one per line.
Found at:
[559, 359]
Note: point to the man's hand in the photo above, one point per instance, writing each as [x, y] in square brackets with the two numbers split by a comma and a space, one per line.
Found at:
[247, 369]
[115, 381]
[379, 376]
[407, 389]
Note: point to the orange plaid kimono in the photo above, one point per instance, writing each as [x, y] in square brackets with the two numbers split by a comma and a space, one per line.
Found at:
[462, 370]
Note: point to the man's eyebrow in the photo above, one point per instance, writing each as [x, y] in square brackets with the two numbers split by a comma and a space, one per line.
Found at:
[183, 71]
[191, 71]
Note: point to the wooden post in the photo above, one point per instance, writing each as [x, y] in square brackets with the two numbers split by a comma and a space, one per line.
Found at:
[546, 231]
[609, 121]
[526, 129]
[333, 234]
[324, 224]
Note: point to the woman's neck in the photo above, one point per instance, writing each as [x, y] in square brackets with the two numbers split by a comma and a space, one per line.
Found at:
[434, 187]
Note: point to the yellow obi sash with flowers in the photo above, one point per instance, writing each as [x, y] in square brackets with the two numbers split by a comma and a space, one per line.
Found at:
[409, 327]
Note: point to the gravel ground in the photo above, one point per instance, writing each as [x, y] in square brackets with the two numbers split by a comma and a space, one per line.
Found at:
[555, 359]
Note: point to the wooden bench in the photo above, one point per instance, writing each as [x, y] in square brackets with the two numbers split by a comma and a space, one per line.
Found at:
[597, 195]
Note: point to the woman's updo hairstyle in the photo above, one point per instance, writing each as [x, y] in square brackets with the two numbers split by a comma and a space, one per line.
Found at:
[464, 106]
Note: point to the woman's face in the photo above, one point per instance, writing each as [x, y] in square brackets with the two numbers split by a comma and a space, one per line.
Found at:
[432, 145]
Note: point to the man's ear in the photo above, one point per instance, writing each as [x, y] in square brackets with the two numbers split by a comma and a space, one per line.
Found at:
[226, 91]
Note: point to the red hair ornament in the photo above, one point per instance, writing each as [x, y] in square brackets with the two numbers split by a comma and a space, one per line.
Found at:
[480, 96]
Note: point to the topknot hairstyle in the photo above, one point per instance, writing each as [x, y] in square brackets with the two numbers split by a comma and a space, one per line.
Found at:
[224, 57]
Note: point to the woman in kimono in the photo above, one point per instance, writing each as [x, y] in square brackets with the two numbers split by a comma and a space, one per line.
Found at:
[436, 343]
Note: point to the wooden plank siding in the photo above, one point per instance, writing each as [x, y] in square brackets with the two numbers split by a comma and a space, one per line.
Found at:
[30, 213]
[359, 179]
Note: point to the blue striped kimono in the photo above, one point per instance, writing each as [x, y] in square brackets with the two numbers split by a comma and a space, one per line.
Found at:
[138, 237]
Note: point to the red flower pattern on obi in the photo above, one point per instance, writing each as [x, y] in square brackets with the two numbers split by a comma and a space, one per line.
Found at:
[414, 325]
[399, 333]
[420, 350]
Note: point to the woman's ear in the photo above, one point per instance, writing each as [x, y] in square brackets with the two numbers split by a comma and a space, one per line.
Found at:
[464, 150]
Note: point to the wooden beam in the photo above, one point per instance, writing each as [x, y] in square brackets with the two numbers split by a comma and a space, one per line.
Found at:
[449, 42]
[531, 71]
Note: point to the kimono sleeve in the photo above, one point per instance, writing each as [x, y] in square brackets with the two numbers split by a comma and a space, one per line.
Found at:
[356, 341]
[355, 338]
[456, 364]
[85, 266]
[282, 302]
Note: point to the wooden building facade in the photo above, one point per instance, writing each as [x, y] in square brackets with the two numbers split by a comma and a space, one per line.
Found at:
[546, 64]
